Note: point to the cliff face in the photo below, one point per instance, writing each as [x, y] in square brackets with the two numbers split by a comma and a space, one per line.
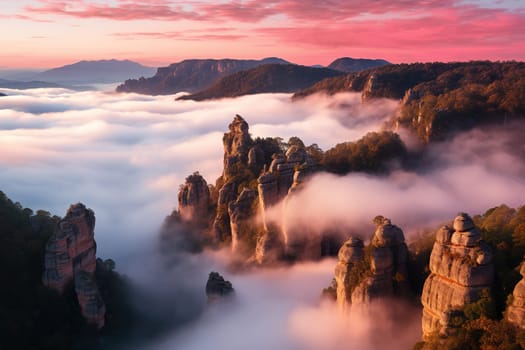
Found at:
[70, 258]
[241, 212]
[274, 185]
[241, 159]
[379, 270]
[190, 75]
[461, 268]
[516, 311]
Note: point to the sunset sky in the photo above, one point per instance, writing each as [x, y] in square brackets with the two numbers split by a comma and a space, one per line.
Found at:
[49, 33]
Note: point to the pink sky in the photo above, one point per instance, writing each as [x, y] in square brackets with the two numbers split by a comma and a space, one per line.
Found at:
[48, 33]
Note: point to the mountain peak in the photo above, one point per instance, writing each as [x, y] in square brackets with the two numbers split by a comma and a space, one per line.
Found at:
[349, 64]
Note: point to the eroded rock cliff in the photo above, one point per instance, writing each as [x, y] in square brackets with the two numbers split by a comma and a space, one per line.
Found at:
[240, 157]
[378, 270]
[461, 269]
[242, 213]
[70, 259]
[273, 186]
[516, 310]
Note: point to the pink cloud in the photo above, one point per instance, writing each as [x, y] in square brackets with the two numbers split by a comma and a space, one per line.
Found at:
[311, 31]
[124, 10]
[470, 33]
[194, 35]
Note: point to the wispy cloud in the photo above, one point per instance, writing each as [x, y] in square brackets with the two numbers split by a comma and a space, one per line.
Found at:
[121, 11]
[406, 30]
[186, 36]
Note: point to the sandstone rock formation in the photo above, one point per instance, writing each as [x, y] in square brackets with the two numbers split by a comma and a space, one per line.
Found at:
[516, 311]
[217, 287]
[194, 198]
[241, 212]
[461, 268]
[350, 254]
[70, 258]
[379, 270]
[274, 184]
[240, 155]
[237, 143]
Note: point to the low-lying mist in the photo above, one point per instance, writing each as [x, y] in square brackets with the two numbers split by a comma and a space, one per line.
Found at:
[471, 173]
[125, 155]
[276, 308]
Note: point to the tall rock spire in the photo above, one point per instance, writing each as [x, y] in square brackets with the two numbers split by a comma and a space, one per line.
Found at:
[70, 258]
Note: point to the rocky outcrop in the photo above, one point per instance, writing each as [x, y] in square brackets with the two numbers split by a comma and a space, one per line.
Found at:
[350, 254]
[241, 212]
[70, 259]
[516, 311]
[461, 268]
[274, 185]
[237, 143]
[194, 198]
[379, 270]
[91, 304]
[217, 287]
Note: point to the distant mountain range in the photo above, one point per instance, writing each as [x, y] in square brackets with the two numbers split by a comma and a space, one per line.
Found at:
[191, 75]
[264, 78]
[23, 85]
[90, 72]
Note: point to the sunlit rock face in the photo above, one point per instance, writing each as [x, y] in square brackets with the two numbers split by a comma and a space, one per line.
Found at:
[70, 259]
[461, 268]
[217, 287]
[376, 271]
[237, 143]
[194, 198]
[274, 185]
[240, 212]
[239, 156]
[351, 253]
[516, 311]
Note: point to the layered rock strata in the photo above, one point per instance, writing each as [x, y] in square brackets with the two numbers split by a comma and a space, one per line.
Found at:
[516, 311]
[240, 156]
[273, 186]
[241, 214]
[461, 268]
[350, 254]
[379, 270]
[70, 259]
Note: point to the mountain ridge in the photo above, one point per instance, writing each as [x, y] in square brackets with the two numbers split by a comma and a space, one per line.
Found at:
[191, 75]
[350, 64]
[95, 71]
[269, 78]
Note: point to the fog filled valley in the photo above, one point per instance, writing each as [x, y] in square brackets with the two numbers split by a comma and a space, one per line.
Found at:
[127, 156]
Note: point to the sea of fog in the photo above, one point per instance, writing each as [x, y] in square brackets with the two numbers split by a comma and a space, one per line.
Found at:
[125, 155]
